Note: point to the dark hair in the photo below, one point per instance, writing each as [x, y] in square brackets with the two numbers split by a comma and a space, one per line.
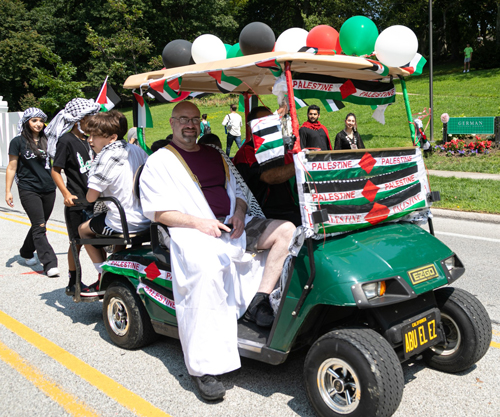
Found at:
[233, 107]
[107, 124]
[210, 139]
[355, 120]
[255, 111]
[160, 144]
[313, 107]
[204, 116]
[40, 150]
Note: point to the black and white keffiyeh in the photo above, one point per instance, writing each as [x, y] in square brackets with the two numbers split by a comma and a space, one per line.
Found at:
[72, 113]
[30, 113]
[105, 163]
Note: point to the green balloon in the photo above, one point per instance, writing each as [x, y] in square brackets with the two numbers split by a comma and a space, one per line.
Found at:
[358, 36]
[228, 48]
[235, 51]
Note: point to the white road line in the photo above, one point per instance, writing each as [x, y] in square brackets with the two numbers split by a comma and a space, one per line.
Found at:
[487, 239]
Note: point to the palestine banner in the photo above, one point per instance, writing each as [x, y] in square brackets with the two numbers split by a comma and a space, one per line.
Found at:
[360, 188]
[167, 91]
[353, 91]
[268, 139]
[225, 84]
[107, 97]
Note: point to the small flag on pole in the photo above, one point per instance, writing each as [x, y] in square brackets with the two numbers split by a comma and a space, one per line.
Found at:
[416, 65]
[107, 97]
[141, 114]
[332, 105]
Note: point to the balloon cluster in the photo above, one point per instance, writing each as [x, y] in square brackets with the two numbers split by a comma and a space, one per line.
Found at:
[395, 46]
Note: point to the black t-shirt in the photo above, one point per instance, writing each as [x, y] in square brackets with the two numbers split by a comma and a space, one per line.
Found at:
[74, 156]
[33, 173]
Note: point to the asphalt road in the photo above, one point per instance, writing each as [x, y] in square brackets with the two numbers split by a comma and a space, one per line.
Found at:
[57, 360]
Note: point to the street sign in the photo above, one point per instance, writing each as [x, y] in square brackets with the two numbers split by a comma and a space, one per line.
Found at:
[471, 125]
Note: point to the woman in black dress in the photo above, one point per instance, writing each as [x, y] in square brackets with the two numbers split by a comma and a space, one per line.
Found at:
[349, 138]
[29, 164]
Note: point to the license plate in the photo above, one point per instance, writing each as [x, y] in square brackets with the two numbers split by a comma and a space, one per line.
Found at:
[419, 335]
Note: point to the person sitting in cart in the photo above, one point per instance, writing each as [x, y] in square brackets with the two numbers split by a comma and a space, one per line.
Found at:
[269, 184]
[112, 175]
[312, 133]
[190, 188]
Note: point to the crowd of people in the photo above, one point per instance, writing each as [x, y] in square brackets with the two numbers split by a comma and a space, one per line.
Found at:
[230, 225]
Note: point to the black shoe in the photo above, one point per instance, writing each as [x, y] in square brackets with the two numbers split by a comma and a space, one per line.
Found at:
[84, 290]
[260, 311]
[210, 387]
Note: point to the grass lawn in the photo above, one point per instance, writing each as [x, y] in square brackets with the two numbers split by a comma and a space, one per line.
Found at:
[467, 194]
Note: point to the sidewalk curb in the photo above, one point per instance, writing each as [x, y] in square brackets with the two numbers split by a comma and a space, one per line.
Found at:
[466, 215]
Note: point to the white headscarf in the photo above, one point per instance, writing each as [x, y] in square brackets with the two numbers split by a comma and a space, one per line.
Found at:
[72, 113]
[30, 114]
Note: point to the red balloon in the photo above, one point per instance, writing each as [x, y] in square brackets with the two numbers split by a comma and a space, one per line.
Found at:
[324, 37]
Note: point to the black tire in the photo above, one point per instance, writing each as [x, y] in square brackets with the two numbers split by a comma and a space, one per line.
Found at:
[468, 331]
[368, 369]
[125, 317]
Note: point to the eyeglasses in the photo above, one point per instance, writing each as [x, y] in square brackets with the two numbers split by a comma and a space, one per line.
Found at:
[186, 120]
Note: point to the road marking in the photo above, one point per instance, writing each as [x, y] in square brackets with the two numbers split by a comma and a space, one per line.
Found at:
[69, 402]
[29, 224]
[487, 239]
[27, 218]
[107, 385]
[495, 345]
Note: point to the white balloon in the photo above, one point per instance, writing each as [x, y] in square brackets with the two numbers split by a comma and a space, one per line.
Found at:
[396, 46]
[207, 48]
[291, 40]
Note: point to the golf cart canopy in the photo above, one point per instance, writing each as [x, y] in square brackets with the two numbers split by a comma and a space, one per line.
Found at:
[256, 71]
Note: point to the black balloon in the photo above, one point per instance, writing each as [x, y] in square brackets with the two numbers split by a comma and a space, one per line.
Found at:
[177, 54]
[256, 38]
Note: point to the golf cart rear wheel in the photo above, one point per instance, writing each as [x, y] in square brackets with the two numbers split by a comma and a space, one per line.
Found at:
[353, 372]
[125, 318]
[467, 328]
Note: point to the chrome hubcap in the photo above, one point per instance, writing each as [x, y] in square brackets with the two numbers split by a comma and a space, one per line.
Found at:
[118, 317]
[453, 337]
[339, 386]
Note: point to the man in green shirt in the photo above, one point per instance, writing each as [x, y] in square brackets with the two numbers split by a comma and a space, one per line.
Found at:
[467, 57]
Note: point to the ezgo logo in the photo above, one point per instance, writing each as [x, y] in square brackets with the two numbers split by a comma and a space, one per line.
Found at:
[422, 274]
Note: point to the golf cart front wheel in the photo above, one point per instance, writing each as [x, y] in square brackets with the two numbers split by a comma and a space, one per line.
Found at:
[353, 372]
[125, 318]
[467, 328]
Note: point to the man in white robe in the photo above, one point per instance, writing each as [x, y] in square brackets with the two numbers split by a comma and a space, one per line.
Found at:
[215, 280]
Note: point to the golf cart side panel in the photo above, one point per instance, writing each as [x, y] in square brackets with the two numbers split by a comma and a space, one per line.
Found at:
[342, 262]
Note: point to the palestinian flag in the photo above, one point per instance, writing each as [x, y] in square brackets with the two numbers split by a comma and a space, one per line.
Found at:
[300, 103]
[139, 271]
[167, 91]
[107, 97]
[253, 102]
[332, 105]
[378, 67]
[388, 184]
[273, 65]
[141, 114]
[225, 84]
[416, 65]
[268, 139]
[353, 91]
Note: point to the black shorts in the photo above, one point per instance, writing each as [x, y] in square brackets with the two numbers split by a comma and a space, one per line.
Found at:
[75, 219]
[254, 230]
[98, 226]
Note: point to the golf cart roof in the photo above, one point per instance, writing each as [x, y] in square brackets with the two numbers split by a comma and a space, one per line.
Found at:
[259, 79]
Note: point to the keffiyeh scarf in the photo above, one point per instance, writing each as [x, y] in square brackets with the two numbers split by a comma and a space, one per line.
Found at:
[30, 114]
[111, 157]
[74, 111]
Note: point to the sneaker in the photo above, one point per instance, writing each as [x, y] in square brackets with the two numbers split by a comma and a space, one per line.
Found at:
[210, 387]
[70, 290]
[31, 262]
[53, 273]
[93, 290]
[260, 311]
[464, 71]
[467, 70]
